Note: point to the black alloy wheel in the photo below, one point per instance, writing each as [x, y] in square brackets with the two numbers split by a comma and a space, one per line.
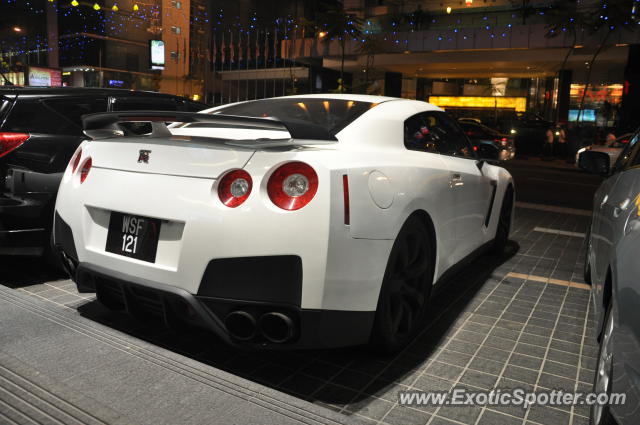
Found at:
[406, 287]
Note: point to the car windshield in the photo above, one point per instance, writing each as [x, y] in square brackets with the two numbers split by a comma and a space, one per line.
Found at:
[332, 114]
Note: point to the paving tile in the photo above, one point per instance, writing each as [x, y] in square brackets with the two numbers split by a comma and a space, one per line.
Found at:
[373, 408]
[478, 379]
[445, 371]
[402, 415]
[352, 379]
[548, 416]
[525, 361]
[302, 385]
[560, 369]
[491, 417]
[521, 374]
[464, 414]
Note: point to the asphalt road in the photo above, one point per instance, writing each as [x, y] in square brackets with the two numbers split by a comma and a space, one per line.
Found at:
[553, 183]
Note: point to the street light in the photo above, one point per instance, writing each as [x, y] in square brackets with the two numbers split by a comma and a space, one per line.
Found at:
[17, 29]
[322, 34]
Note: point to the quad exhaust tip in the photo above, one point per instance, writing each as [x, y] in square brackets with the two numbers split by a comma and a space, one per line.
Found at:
[240, 325]
[276, 327]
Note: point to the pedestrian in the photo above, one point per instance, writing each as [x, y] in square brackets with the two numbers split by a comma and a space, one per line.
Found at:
[562, 142]
[547, 149]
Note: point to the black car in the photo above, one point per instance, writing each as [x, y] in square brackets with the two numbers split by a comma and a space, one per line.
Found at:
[40, 129]
[483, 137]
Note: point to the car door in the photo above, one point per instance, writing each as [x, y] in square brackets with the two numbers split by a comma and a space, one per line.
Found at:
[471, 189]
[614, 197]
[425, 145]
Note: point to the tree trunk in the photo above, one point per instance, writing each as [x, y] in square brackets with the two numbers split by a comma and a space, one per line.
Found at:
[588, 82]
[564, 65]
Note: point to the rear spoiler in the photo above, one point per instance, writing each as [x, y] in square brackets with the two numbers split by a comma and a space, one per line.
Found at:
[104, 125]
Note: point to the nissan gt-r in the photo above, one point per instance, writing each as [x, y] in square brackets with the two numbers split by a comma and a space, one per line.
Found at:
[294, 222]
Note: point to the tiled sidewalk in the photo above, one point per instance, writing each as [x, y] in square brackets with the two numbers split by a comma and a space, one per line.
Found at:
[520, 321]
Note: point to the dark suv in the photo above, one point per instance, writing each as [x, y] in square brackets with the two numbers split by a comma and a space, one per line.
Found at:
[40, 129]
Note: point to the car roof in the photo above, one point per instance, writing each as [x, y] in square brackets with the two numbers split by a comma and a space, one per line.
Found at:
[81, 91]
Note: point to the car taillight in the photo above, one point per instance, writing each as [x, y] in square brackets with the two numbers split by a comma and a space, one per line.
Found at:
[84, 171]
[75, 160]
[501, 140]
[11, 141]
[345, 192]
[234, 188]
[292, 185]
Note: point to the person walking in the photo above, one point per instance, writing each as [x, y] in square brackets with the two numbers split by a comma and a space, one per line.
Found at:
[547, 149]
[561, 149]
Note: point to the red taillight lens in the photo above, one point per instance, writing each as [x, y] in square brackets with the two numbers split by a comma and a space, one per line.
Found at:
[234, 188]
[292, 185]
[345, 192]
[75, 160]
[84, 171]
[11, 141]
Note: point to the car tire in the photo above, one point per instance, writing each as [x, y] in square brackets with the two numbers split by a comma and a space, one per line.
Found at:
[600, 415]
[406, 286]
[504, 223]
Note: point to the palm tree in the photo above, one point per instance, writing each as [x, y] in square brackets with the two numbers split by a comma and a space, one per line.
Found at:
[338, 23]
[370, 46]
[565, 18]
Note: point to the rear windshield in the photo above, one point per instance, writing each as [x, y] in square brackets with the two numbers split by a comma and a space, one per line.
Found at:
[332, 114]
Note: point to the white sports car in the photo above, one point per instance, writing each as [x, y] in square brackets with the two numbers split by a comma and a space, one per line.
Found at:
[293, 222]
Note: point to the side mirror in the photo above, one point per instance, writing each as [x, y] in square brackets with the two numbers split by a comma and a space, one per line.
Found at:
[488, 152]
[595, 162]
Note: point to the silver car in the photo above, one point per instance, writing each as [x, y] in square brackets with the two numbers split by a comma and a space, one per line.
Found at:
[612, 266]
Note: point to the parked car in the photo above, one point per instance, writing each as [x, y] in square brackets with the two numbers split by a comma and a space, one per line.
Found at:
[612, 149]
[613, 269]
[293, 222]
[40, 128]
[481, 135]
[529, 130]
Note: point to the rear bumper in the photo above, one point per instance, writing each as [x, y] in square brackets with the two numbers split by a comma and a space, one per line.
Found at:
[176, 307]
[254, 285]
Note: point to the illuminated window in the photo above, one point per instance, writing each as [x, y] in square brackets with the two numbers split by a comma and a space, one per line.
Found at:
[176, 30]
[177, 4]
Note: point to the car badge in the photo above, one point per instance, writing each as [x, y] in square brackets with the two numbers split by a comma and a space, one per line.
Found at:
[143, 156]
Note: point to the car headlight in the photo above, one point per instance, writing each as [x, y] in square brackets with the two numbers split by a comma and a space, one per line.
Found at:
[513, 131]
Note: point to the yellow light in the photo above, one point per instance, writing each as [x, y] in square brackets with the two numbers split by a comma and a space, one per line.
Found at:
[17, 29]
[302, 106]
[350, 104]
[50, 1]
[66, 73]
[196, 97]
[96, 6]
[448, 10]
[322, 34]
[519, 104]
[74, 3]
[115, 8]
[326, 104]
[135, 7]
